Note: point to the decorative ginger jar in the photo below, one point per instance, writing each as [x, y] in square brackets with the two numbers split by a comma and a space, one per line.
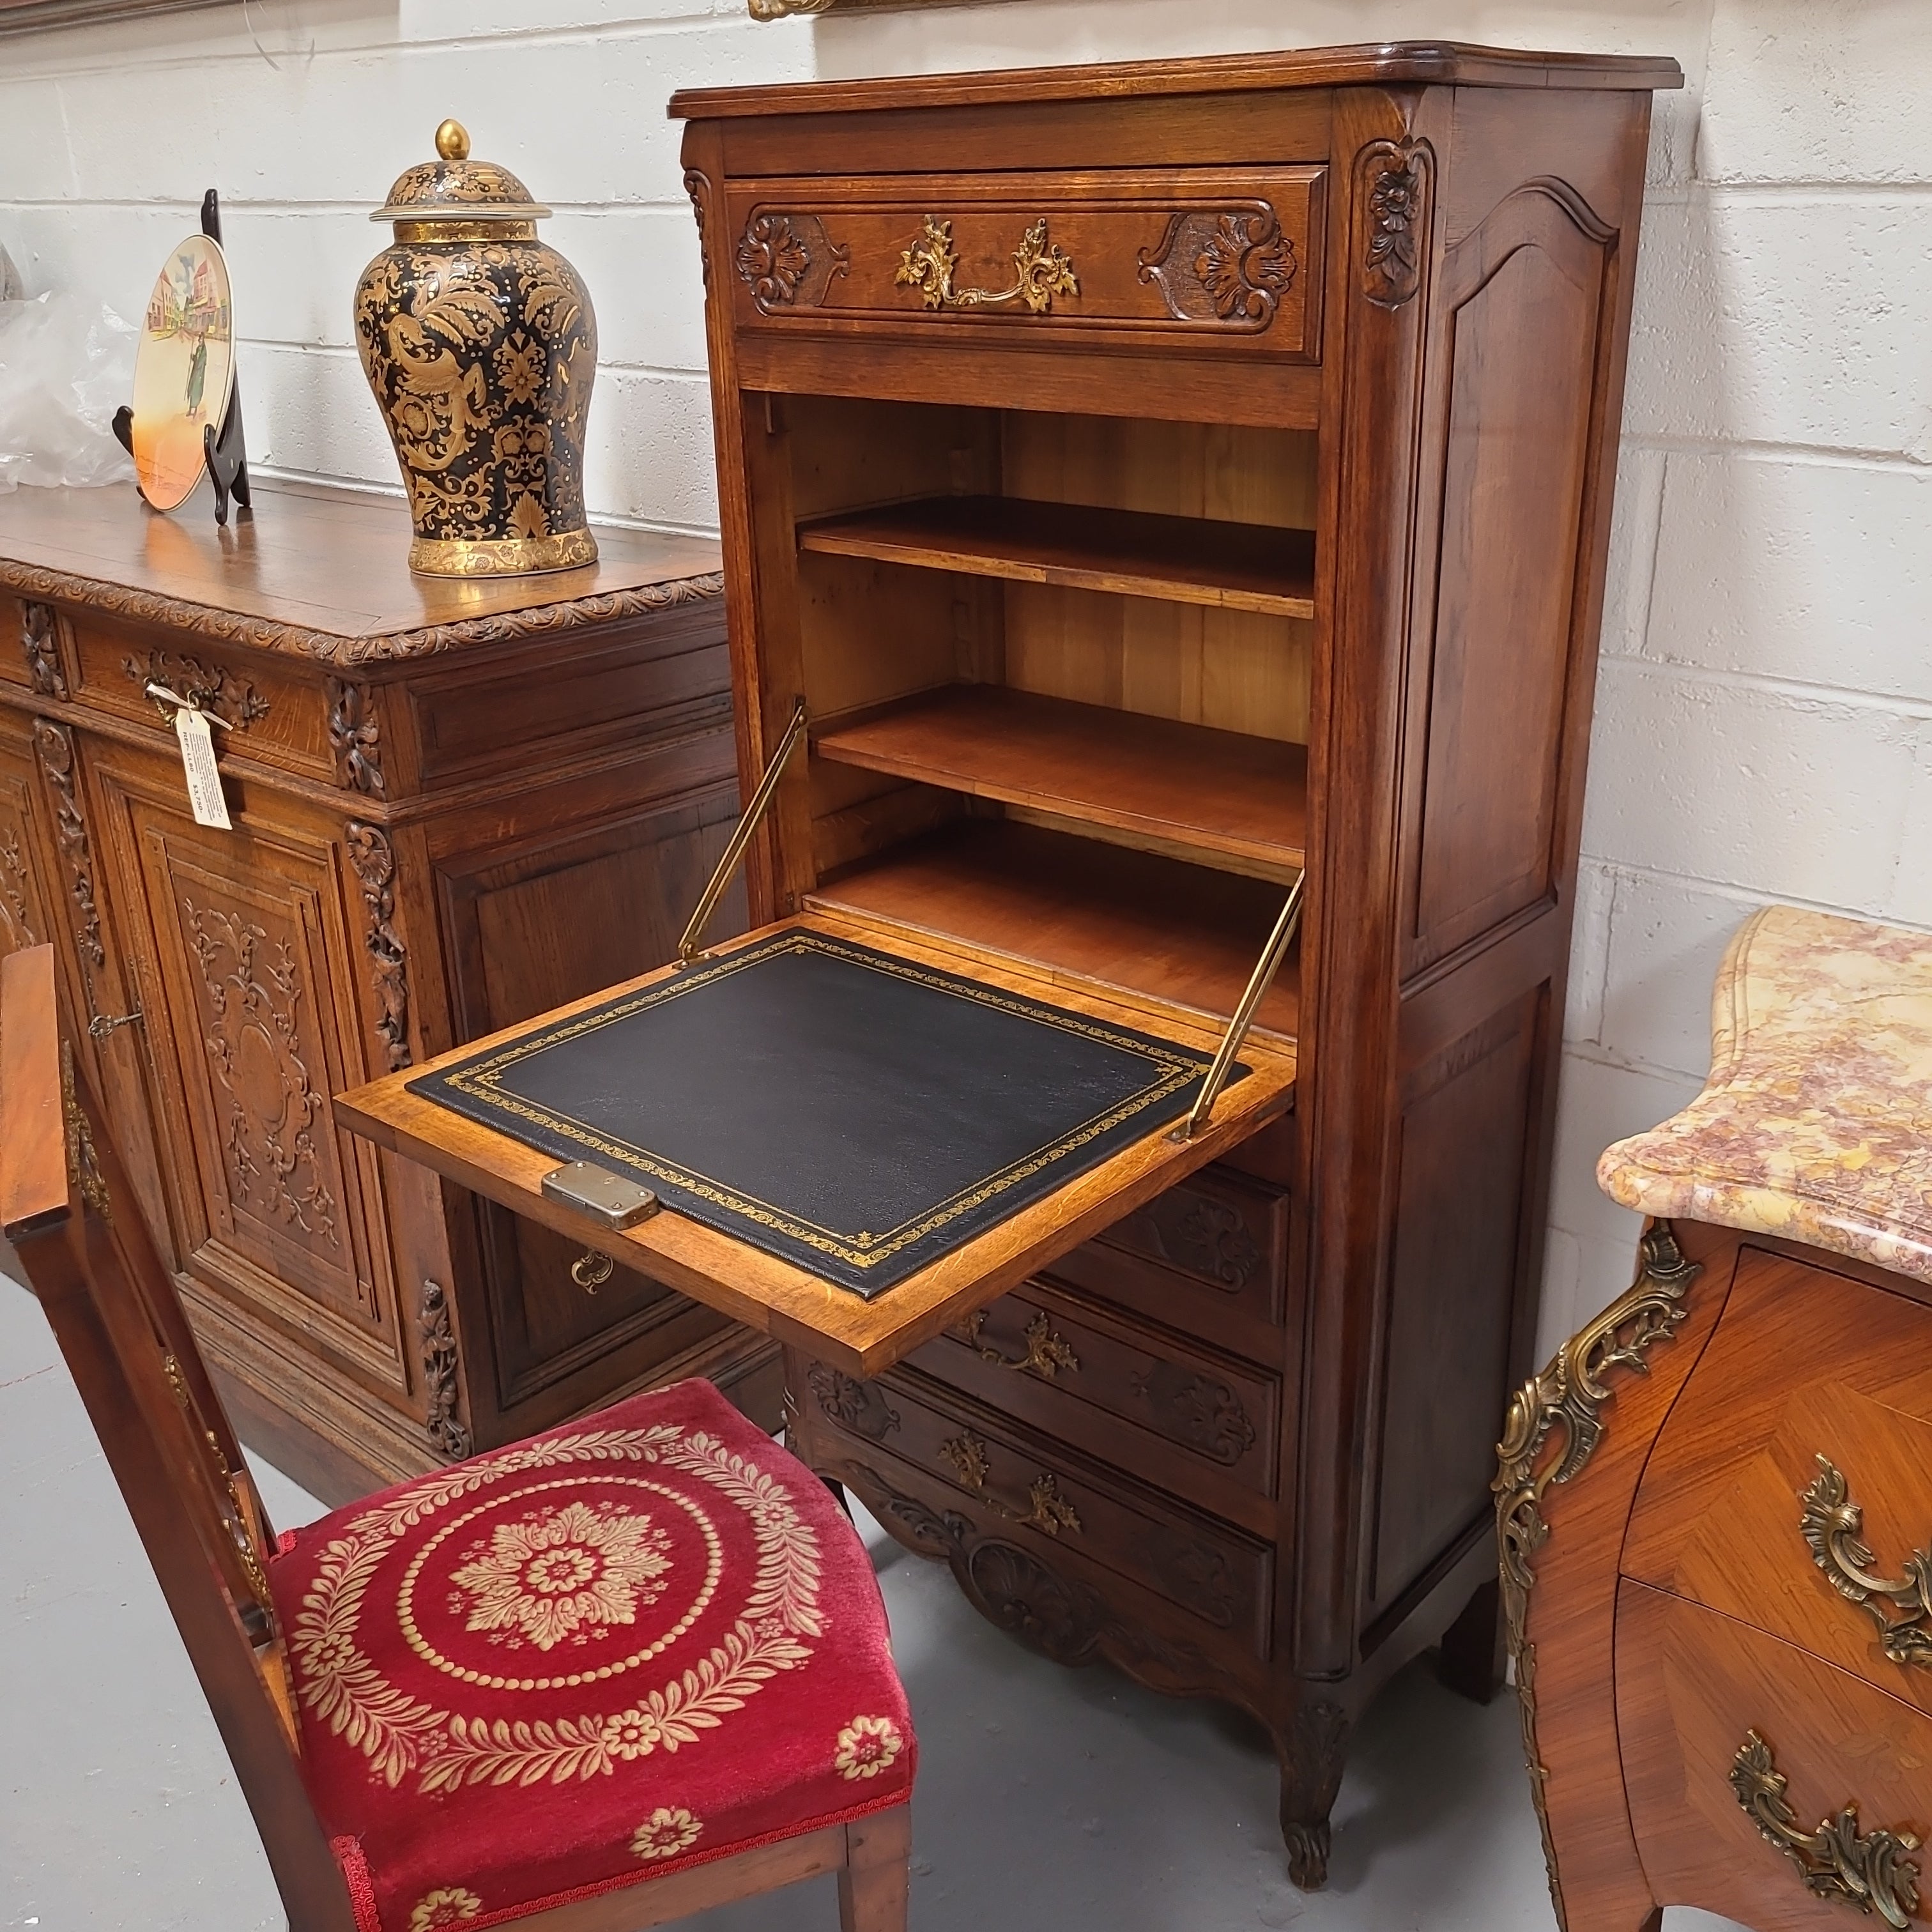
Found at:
[481, 344]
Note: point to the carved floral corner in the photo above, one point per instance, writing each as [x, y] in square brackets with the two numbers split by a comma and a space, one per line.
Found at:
[355, 738]
[1394, 182]
[374, 860]
[442, 1368]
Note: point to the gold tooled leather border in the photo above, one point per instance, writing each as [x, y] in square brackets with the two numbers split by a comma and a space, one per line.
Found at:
[481, 1080]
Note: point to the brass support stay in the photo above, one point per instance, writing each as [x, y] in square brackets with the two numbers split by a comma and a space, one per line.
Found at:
[1259, 981]
[688, 947]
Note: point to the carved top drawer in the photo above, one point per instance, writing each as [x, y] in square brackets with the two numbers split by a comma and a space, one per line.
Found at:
[271, 712]
[1194, 258]
[1791, 1487]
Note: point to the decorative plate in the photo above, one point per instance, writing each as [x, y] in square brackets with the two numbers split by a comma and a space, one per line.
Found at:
[184, 370]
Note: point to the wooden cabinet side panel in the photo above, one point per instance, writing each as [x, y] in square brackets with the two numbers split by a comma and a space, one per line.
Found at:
[30, 899]
[1524, 392]
[1453, 1286]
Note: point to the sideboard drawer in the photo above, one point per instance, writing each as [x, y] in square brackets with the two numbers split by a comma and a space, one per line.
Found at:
[1188, 258]
[1713, 1717]
[272, 710]
[1796, 1471]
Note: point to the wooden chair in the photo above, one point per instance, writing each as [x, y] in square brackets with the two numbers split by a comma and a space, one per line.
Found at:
[623, 1671]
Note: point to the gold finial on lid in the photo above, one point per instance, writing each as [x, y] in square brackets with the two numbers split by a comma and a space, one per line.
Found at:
[452, 141]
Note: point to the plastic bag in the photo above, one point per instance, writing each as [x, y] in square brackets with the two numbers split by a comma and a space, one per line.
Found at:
[65, 367]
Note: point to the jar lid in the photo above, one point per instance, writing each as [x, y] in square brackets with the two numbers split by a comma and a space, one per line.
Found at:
[454, 188]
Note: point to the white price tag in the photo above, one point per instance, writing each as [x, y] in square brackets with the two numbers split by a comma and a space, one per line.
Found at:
[204, 780]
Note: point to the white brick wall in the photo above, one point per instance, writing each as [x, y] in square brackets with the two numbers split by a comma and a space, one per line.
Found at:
[1764, 726]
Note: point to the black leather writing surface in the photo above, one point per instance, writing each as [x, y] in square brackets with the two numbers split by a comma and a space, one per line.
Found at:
[857, 1114]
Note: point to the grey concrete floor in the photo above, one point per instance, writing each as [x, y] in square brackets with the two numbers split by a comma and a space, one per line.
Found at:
[1048, 1800]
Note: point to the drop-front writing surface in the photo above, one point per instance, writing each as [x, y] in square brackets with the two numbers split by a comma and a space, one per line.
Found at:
[776, 1292]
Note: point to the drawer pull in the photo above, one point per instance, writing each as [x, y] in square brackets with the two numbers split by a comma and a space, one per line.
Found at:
[1833, 1861]
[1830, 1525]
[592, 1270]
[1043, 272]
[1047, 1352]
[1049, 1513]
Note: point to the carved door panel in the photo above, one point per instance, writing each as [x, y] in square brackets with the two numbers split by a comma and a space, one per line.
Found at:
[575, 909]
[30, 900]
[244, 944]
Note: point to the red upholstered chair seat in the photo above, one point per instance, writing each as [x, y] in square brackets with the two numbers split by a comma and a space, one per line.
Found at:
[643, 1640]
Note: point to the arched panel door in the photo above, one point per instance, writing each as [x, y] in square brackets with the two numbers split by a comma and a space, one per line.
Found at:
[1519, 366]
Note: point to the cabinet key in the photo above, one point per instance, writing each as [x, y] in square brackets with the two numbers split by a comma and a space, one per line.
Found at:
[100, 1027]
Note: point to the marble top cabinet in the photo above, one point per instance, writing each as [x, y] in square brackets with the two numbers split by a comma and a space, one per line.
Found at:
[1716, 1504]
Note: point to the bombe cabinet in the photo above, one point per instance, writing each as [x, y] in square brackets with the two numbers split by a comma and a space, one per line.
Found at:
[1154, 479]
[453, 804]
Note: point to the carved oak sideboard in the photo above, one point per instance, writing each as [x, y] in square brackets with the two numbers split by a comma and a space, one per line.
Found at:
[453, 805]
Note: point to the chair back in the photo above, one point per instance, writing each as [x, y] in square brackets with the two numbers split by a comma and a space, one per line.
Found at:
[67, 1206]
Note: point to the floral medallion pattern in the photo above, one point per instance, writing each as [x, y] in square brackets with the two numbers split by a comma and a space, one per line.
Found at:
[866, 1747]
[548, 1586]
[552, 1576]
[669, 1831]
[450, 1905]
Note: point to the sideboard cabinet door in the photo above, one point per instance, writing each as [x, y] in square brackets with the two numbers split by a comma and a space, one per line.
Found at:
[246, 946]
[30, 899]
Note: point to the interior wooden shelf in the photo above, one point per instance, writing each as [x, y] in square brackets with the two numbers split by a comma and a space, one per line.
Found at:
[1184, 559]
[1218, 792]
[1155, 928]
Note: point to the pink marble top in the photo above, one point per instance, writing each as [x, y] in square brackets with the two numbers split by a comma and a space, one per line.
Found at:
[1816, 1123]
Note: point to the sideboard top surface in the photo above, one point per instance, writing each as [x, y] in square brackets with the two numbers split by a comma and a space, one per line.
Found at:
[323, 574]
[1442, 63]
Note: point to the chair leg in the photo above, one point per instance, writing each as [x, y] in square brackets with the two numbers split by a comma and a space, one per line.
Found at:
[878, 1873]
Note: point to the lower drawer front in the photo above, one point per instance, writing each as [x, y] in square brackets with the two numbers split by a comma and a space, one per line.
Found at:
[1038, 1486]
[1713, 1716]
[1737, 1510]
[1199, 1425]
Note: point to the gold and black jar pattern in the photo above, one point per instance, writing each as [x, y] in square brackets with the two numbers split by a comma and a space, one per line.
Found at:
[480, 343]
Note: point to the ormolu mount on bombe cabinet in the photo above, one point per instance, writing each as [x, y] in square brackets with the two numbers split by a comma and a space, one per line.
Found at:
[1159, 485]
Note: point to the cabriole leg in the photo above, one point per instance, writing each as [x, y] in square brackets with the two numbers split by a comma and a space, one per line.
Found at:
[1312, 1750]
